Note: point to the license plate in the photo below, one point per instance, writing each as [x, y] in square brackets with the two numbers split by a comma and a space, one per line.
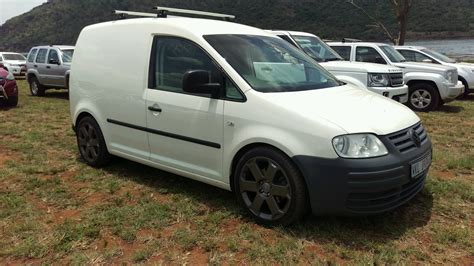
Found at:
[421, 166]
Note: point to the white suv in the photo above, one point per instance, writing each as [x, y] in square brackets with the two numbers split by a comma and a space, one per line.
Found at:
[238, 108]
[429, 85]
[422, 54]
[385, 80]
[14, 63]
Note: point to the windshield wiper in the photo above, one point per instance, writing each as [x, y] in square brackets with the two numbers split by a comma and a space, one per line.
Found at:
[334, 59]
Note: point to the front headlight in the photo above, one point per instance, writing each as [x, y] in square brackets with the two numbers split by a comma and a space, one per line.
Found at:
[450, 76]
[10, 76]
[359, 146]
[378, 80]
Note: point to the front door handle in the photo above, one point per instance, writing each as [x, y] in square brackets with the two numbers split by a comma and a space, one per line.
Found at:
[35, 66]
[155, 108]
[48, 67]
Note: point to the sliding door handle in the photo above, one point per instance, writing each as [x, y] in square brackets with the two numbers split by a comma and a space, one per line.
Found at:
[155, 108]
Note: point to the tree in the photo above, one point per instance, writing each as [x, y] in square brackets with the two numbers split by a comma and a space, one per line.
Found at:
[402, 10]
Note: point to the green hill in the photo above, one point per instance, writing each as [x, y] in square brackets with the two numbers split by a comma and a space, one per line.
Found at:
[60, 21]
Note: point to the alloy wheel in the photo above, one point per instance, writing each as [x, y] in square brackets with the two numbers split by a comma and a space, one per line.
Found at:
[34, 88]
[265, 188]
[88, 141]
[421, 98]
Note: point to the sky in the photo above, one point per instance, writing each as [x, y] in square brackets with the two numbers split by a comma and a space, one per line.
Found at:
[12, 8]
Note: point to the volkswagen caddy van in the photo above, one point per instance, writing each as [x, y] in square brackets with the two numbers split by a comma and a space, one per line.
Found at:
[238, 108]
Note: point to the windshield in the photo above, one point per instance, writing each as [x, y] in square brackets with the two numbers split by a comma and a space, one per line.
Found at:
[438, 56]
[270, 64]
[392, 54]
[18, 57]
[67, 55]
[316, 48]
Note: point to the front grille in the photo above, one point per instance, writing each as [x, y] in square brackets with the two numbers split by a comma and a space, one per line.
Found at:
[368, 202]
[403, 140]
[396, 79]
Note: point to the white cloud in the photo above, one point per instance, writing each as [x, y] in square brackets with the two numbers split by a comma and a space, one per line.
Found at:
[12, 8]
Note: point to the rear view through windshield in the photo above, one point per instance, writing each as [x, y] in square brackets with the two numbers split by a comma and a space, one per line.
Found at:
[270, 64]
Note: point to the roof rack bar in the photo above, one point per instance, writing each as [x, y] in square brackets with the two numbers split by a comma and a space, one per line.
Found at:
[137, 14]
[164, 10]
[344, 40]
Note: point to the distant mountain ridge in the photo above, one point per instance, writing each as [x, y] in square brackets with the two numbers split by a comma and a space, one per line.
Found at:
[60, 21]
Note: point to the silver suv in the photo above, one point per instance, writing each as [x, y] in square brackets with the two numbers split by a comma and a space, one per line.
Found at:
[48, 67]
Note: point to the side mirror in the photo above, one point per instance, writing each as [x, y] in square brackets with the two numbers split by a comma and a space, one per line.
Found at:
[199, 82]
[427, 61]
[54, 62]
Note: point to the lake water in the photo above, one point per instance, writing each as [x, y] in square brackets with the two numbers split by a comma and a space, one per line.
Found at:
[455, 48]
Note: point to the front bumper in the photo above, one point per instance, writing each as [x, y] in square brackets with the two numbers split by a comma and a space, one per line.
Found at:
[365, 186]
[454, 91]
[17, 70]
[399, 94]
[8, 89]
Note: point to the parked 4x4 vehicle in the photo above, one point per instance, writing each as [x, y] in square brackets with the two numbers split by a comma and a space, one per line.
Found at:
[385, 80]
[49, 67]
[429, 85]
[241, 109]
[15, 63]
[8, 89]
[425, 55]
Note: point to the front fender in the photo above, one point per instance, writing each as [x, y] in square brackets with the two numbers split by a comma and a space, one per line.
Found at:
[289, 142]
[439, 80]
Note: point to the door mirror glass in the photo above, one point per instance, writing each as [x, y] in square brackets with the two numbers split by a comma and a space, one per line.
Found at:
[199, 82]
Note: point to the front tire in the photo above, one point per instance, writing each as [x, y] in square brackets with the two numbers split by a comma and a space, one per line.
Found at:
[91, 143]
[36, 88]
[12, 101]
[423, 97]
[270, 187]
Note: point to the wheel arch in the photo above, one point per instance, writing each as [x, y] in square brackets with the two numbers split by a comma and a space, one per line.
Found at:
[29, 77]
[418, 81]
[249, 147]
[464, 82]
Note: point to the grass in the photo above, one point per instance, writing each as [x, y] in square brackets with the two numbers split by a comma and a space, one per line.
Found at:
[55, 209]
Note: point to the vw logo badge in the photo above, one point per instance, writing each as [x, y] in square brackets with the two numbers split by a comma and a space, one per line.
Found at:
[416, 138]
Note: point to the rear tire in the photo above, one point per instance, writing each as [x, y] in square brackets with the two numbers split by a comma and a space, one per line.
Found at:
[466, 89]
[91, 143]
[270, 187]
[423, 97]
[36, 88]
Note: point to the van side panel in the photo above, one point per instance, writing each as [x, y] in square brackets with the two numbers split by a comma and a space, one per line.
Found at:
[108, 80]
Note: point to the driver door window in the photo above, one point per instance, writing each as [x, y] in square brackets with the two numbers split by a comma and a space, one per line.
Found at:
[53, 56]
[175, 57]
[420, 57]
[369, 55]
[409, 55]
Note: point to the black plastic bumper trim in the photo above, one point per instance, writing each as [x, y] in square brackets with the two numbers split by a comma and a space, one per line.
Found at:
[166, 134]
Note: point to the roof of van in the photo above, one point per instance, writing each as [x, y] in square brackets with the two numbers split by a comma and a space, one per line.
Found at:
[196, 25]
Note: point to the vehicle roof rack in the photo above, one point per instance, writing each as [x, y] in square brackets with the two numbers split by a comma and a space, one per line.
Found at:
[123, 14]
[344, 40]
[164, 11]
